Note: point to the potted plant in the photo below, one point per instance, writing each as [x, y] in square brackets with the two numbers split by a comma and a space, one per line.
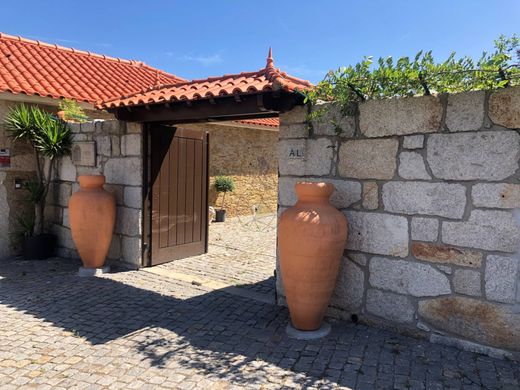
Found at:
[223, 184]
[51, 139]
[69, 110]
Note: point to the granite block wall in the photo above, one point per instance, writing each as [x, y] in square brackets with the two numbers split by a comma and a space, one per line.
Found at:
[119, 150]
[431, 189]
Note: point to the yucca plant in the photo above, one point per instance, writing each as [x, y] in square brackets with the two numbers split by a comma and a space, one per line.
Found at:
[50, 138]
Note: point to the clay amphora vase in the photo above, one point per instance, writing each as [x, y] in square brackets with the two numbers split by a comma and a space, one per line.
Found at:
[92, 215]
[311, 239]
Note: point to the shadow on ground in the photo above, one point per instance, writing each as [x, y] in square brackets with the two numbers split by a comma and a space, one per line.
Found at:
[217, 334]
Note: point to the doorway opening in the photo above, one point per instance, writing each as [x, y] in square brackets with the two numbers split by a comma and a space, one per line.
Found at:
[240, 251]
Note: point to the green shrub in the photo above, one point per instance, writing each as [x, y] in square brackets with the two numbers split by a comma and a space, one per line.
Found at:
[224, 184]
[72, 111]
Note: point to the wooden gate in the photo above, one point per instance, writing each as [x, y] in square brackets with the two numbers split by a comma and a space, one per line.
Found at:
[179, 193]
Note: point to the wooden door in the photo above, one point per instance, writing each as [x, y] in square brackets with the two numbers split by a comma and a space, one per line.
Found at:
[179, 193]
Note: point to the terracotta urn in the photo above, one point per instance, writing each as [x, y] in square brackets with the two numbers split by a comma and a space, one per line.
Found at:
[311, 240]
[92, 215]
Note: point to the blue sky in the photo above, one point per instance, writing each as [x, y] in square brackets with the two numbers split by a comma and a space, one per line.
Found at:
[196, 39]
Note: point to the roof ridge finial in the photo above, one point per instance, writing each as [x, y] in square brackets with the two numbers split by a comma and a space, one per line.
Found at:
[270, 61]
[157, 78]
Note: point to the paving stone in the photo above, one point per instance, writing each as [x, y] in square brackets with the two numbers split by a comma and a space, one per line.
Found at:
[145, 330]
[442, 199]
[486, 155]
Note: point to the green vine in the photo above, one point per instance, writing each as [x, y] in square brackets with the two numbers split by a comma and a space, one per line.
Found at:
[421, 75]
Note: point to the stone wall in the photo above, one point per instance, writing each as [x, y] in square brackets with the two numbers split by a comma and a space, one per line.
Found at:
[22, 167]
[119, 151]
[249, 156]
[430, 187]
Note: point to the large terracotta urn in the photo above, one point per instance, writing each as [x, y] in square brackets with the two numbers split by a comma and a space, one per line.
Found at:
[311, 239]
[92, 214]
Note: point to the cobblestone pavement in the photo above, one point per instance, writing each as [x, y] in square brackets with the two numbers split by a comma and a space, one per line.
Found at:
[242, 253]
[145, 330]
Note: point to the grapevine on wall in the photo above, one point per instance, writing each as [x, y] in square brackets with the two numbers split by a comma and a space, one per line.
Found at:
[421, 75]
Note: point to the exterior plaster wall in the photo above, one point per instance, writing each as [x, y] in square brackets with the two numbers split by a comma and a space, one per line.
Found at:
[119, 151]
[248, 155]
[430, 187]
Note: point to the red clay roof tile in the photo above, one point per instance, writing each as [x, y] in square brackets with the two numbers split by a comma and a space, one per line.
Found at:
[267, 122]
[37, 68]
[268, 78]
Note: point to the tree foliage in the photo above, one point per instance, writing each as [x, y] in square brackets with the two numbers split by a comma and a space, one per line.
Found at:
[72, 111]
[50, 138]
[420, 75]
[224, 184]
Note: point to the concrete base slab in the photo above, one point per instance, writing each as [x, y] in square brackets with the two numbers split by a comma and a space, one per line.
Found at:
[294, 333]
[88, 272]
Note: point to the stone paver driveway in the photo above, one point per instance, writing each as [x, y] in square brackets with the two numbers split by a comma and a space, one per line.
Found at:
[147, 330]
[241, 253]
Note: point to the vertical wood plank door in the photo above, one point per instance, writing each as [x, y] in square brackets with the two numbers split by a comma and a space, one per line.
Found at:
[179, 193]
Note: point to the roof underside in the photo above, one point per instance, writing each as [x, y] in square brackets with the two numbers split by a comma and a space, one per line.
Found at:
[35, 68]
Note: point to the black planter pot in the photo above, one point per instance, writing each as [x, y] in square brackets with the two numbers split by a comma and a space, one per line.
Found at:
[220, 215]
[39, 247]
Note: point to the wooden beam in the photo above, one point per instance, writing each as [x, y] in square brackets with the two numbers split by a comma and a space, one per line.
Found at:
[263, 104]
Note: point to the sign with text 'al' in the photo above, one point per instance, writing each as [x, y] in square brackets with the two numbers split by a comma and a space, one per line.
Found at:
[295, 153]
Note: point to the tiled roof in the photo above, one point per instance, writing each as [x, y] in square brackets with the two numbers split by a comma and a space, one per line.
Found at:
[267, 122]
[268, 78]
[36, 68]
